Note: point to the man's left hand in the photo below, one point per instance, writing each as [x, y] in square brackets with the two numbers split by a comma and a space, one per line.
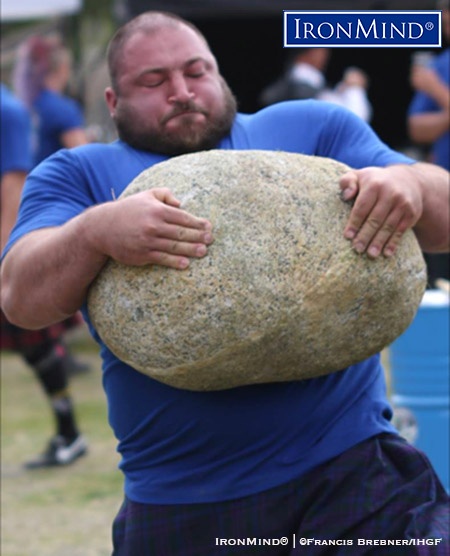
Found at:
[387, 202]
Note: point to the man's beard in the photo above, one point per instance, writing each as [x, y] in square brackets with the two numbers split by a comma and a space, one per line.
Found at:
[190, 139]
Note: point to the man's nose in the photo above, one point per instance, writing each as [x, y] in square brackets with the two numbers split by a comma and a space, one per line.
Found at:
[179, 90]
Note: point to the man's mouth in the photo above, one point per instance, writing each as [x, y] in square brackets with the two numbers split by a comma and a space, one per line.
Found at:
[182, 112]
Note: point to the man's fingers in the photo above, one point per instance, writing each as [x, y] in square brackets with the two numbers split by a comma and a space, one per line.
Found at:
[387, 237]
[185, 234]
[387, 203]
[170, 261]
[381, 233]
[174, 215]
[359, 222]
[185, 219]
[175, 254]
[166, 196]
[349, 186]
[391, 245]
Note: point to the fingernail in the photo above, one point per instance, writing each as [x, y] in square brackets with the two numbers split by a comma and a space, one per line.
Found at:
[358, 247]
[388, 252]
[184, 263]
[208, 238]
[200, 250]
[350, 233]
[373, 251]
[347, 194]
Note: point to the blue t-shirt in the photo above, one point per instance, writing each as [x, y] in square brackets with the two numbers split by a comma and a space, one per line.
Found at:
[181, 446]
[15, 130]
[423, 103]
[54, 114]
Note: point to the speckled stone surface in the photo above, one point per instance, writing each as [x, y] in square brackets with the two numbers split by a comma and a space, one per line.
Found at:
[281, 294]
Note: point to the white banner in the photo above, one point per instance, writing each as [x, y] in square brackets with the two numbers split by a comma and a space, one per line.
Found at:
[15, 10]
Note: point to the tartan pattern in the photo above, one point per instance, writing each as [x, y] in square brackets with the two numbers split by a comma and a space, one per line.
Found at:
[18, 339]
[382, 488]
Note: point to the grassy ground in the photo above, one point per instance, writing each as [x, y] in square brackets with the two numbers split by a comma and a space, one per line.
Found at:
[64, 511]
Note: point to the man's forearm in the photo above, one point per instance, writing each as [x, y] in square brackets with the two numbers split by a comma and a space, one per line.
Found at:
[48, 277]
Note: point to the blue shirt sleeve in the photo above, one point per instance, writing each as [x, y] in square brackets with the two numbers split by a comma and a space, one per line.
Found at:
[423, 103]
[16, 153]
[70, 115]
[60, 186]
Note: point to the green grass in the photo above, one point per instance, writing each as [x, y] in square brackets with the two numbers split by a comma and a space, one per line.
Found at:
[63, 511]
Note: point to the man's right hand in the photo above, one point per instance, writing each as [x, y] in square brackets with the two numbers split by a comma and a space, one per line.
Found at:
[147, 227]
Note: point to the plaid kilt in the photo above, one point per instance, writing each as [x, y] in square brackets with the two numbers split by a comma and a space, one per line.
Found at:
[17, 339]
[382, 489]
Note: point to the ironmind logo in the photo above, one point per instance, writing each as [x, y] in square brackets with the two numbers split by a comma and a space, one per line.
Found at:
[362, 28]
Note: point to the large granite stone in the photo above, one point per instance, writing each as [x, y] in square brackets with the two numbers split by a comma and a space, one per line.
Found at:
[281, 294]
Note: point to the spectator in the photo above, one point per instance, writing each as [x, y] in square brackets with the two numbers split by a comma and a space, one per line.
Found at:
[41, 75]
[429, 121]
[305, 78]
[43, 350]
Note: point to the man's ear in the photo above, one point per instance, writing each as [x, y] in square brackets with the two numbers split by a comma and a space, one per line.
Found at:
[111, 100]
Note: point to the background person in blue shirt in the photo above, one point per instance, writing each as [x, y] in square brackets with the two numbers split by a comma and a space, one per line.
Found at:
[41, 75]
[43, 350]
[429, 111]
[316, 458]
[429, 121]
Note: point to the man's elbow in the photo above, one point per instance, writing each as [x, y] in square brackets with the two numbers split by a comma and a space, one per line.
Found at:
[434, 242]
[7, 305]
[14, 307]
[434, 247]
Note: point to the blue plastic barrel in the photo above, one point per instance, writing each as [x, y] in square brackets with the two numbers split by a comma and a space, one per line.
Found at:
[420, 381]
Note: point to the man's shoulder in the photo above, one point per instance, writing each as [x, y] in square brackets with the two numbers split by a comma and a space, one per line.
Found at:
[98, 164]
[90, 155]
[290, 112]
[296, 106]
[99, 150]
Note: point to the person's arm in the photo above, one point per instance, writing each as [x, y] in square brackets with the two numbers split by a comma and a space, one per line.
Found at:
[11, 190]
[427, 127]
[16, 159]
[74, 138]
[388, 201]
[52, 268]
[427, 81]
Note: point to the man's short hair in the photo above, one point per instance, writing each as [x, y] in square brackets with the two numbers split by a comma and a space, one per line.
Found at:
[147, 23]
